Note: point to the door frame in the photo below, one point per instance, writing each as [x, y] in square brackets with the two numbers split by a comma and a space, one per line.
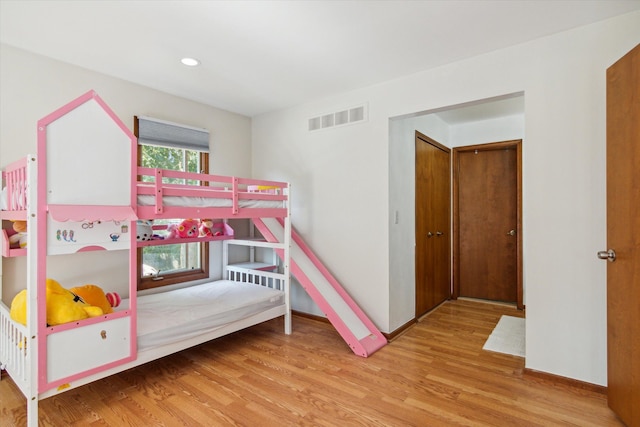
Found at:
[517, 144]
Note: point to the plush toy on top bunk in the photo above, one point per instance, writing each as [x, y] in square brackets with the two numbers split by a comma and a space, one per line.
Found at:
[19, 238]
[207, 228]
[189, 228]
[67, 305]
[144, 230]
[185, 229]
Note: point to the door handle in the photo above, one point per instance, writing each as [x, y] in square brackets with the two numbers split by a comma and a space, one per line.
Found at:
[429, 234]
[609, 255]
[438, 233]
[511, 233]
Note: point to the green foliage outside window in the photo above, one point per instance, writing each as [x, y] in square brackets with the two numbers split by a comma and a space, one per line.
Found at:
[166, 259]
[170, 158]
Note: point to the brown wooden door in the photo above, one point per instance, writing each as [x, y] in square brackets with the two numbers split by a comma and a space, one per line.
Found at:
[487, 222]
[623, 237]
[433, 224]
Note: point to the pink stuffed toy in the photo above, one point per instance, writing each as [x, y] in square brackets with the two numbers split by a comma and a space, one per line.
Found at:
[188, 228]
[172, 231]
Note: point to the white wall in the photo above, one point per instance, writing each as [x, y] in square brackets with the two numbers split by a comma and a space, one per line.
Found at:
[341, 184]
[499, 129]
[33, 86]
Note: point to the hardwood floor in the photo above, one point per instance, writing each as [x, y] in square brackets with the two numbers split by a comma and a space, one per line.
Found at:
[435, 374]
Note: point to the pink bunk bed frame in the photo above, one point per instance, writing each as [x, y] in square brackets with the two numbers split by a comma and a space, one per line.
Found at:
[229, 189]
[25, 358]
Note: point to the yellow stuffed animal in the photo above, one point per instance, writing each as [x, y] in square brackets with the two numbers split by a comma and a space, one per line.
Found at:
[63, 306]
[94, 295]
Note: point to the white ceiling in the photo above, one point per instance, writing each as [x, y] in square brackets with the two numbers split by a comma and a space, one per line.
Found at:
[260, 56]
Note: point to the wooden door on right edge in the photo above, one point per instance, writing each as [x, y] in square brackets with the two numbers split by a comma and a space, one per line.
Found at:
[623, 237]
[486, 210]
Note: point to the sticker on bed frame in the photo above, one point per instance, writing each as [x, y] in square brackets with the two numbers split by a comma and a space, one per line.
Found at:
[70, 236]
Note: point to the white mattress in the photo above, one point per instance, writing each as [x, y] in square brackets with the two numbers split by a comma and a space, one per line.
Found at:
[196, 202]
[207, 202]
[184, 313]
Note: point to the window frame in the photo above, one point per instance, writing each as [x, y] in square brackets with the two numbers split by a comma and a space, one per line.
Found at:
[151, 282]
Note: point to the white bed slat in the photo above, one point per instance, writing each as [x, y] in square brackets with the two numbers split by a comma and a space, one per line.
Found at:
[14, 349]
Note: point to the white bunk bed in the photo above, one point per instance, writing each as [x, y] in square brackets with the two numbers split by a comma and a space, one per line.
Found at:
[46, 191]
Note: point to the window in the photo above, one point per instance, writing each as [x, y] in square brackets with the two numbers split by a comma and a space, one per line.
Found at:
[163, 265]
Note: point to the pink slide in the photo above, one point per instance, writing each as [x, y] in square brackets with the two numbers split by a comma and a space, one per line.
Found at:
[344, 314]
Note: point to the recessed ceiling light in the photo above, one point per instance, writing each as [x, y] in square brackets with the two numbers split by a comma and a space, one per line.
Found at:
[190, 62]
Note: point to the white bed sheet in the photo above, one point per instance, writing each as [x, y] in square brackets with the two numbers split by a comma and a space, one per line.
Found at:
[207, 202]
[184, 313]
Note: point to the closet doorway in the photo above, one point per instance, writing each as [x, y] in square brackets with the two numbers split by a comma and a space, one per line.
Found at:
[433, 223]
[488, 221]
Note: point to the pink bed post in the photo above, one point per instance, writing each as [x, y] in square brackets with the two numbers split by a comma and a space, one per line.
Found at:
[235, 195]
[159, 193]
[41, 252]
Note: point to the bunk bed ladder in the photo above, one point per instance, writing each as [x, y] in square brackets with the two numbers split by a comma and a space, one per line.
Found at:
[344, 314]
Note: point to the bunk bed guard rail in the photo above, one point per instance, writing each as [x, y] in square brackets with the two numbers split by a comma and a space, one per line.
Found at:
[210, 191]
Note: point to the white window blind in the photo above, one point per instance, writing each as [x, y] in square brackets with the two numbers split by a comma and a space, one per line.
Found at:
[167, 134]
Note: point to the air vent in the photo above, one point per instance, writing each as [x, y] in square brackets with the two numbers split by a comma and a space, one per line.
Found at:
[339, 118]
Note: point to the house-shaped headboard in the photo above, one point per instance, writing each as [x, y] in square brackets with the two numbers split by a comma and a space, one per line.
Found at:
[87, 154]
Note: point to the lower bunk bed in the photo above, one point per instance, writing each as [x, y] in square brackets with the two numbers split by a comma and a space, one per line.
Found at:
[167, 322]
